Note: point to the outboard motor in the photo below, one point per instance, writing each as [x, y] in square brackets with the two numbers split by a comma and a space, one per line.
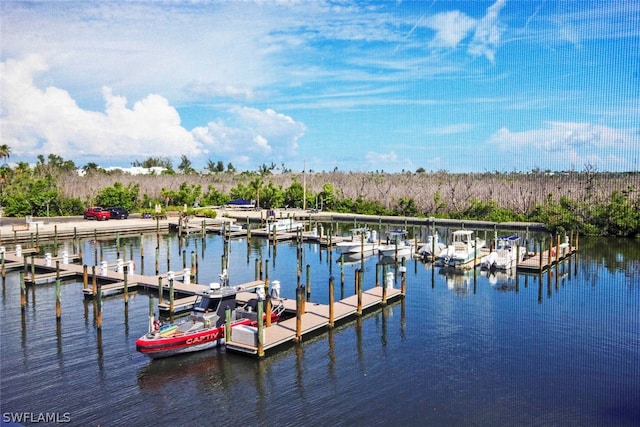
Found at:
[260, 293]
[374, 236]
[275, 289]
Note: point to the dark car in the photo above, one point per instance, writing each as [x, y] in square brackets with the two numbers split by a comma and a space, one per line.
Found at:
[97, 213]
[118, 213]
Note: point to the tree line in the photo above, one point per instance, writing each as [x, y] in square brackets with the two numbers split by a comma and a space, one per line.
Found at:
[588, 202]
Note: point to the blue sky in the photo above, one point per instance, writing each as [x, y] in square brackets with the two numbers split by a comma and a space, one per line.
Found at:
[461, 86]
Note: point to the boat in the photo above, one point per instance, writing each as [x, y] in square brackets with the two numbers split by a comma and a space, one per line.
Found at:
[507, 254]
[286, 225]
[463, 249]
[431, 248]
[398, 245]
[205, 326]
[363, 242]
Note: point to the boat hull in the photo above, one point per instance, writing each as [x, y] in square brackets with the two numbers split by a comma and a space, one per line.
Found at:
[157, 346]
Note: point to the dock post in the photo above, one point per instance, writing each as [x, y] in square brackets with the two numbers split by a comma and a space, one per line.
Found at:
[403, 273]
[169, 256]
[193, 264]
[331, 298]
[384, 292]
[298, 314]
[58, 301]
[268, 312]
[341, 271]
[257, 269]
[23, 292]
[360, 286]
[308, 282]
[94, 280]
[171, 296]
[260, 330]
[356, 278]
[227, 325]
[3, 269]
[99, 308]
[33, 269]
[184, 259]
[378, 274]
[558, 255]
[85, 277]
[126, 285]
[160, 290]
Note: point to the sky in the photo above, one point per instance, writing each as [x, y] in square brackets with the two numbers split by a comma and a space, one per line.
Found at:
[457, 86]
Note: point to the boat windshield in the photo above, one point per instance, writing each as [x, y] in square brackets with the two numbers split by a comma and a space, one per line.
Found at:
[204, 303]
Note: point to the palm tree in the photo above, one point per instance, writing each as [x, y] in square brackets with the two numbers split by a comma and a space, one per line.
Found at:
[185, 165]
[5, 152]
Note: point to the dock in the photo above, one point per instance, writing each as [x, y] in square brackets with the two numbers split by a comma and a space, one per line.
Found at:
[315, 319]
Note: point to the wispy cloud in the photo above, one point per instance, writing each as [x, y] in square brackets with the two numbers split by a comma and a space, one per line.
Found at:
[487, 35]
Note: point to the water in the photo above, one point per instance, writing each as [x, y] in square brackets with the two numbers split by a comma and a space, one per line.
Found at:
[459, 350]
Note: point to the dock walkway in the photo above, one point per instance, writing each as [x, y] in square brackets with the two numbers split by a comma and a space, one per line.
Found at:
[314, 319]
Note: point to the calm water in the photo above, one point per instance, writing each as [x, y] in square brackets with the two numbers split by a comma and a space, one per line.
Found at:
[459, 350]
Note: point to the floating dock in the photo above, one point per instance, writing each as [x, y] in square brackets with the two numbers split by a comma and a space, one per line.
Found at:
[315, 319]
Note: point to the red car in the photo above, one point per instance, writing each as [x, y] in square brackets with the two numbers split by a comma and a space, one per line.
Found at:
[97, 213]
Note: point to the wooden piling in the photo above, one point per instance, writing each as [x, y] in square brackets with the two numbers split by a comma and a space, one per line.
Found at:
[160, 291]
[171, 296]
[94, 280]
[331, 298]
[384, 292]
[298, 314]
[126, 285]
[23, 292]
[360, 286]
[85, 277]
[58, 301]
[308, 282]
[403, 275]
[260, 330]
[99, 307]
[227, 325]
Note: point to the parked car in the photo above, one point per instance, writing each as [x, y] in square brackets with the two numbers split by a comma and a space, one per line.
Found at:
[117, 212]
[97, 213]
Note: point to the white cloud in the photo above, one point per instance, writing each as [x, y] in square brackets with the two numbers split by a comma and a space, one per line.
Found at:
[450, 27]
[50, 121]
[487, 35]
[381, 160]
[566, 145]
[257, 133]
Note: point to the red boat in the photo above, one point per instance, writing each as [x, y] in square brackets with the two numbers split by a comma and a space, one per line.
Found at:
[204, 328]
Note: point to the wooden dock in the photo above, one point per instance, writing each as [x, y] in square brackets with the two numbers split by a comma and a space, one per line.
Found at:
[539, 262]
[313, 320]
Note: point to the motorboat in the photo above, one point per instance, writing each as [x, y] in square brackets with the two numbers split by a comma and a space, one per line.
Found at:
[398, 245]
[431, 248]
[286, 225]
[463, 249]
[205, 326]
[507, 254]
[363, 242]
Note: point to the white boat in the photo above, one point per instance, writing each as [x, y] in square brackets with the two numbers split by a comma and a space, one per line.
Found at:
[463, 249]
[431, 248]
[286, 225]
[507, 254]
[363, 242]
[398, 245]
